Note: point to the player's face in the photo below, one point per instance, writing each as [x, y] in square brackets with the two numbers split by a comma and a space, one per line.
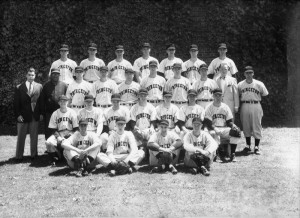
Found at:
[89, 103]
[224, 70]
[218, 97]
[92, 52]
[163, 128]
[197, 126]
[194, 53]
[222, 51]
[82, 128]
[146, 51]
[120, 126]
[55, 77]
[152, 68]
[115, 103]
[79, 74]
[203, 72]
[167, 98]
[129, 76]
[103, 73]
[119, 53]
[30, 76]
[249, 75]
[177, 70]
[63, 103]
[64, 53]
[170, 51]
[143, 97]
[192, 98]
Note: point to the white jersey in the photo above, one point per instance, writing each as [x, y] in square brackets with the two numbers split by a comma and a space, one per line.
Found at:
[92, 69]
[121, 144]
[94, 117]
[203, 141]
[141, 65]
[143, 115]
[76, 92]
[117, 70]
[179, 88]
[218, 115]
[129, 92]
[192, 67]
[187, 113]
[164, 141]
[110, 116]
[102, 91]
[66, 68]
[82, 142]
[166, 66]
[63, 122]
[155, 87]
[215, 67]
[171, 114]
[205, 88]
[253, 91]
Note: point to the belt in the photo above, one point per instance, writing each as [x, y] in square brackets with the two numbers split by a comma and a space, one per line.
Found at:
[104, 105]
[251, 102]
[206, 100]
[179, 102]
[77, 106]
[128, 104]
[154, 101]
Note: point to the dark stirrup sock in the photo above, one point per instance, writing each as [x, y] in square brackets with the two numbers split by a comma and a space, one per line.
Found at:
[248, 141]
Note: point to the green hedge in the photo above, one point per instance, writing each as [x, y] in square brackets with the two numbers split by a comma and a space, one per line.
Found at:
[31, 32]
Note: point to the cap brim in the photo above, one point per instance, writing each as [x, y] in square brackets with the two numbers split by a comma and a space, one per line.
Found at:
[195, 49]
[171, 48]
[78, 71]
[83, 123]
[89, 100]
[55, 72]
[194, 94]
[197, 122]
[220, 93]
[121, 122]
[93, 48]
[143, 93]
[116, 99]
[164, 124]
[168, 95]
[120, 49]
[64, 49]
[153, 65]
[222, 47]
[203, 68]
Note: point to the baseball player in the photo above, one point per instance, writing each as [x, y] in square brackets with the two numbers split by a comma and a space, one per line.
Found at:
[118, 66]
[77, 90]
[63, 123]
[198, 143]
[65, 65]
[218, 120]
[166, 65]
[163, 146]
[141, 65]
[121, 146]
[204, 87]
[92, 64]
[103, 89]
[251, 91]
[215, 65]
[154, 85]
[81, 149]
[179, 86]
[228, 85]
[191, 66]
[128, 90]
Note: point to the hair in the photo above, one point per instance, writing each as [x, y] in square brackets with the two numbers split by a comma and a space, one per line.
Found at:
[31, 69]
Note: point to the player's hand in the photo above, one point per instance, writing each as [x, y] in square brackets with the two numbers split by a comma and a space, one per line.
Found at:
[82, 154]
[59, 139]
[218, 131]
[236, 109]
[20, 119]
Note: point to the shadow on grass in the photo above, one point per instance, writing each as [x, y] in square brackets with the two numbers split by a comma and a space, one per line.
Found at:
[62, 172]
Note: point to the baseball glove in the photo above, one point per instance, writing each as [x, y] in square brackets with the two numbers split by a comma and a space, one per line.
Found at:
[235, 132]
[122, 168]
[138, 135]
[165, 158]
[200, 159]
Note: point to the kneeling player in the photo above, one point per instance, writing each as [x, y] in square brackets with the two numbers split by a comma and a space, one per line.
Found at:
[121, 151]
[200, 149]
[81, 149]
[164, 148]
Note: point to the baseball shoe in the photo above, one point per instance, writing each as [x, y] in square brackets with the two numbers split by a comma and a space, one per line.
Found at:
[173, 169]
[204, 171]
[193, 171]
[247, 149]
[256, 150]
[85, 173]
[133, 166]
[130, 170]
[156, 170]
[232, 158]
[112, 173]
[79, 173]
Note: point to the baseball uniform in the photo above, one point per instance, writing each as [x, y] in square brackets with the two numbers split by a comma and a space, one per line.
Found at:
[141, 65]
[67, 70]
[170, 114]
[192, 67]
[128, 93]
[143, 115]
[95, 119]
[92, 69]
[204, 90]
[188, 112]
[102, 92]
[110, 116]
[166, 66]
[117, 70]
[215, 67]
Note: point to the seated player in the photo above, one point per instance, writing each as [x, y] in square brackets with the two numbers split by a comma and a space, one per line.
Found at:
[218, 120]
[81, 149]
[200, 149]
[63, 123]
[164, 148]
[121, 146]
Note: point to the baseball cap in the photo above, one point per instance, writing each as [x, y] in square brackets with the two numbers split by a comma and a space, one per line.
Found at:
[63, 98]
[92, 45]
[104, 68]
[64, 47]
[129, 71]
[170, 46]
[146, 45]
[83, 121]
[217, 91]
[222, 45]
[203, 66]
[249, 69]
[55, 70]
[192, 92]
[120, 47]
[194, 47]
[167, 93]
[88, 98]
[116, 97]
[196, 120]
[79, 68]
[153, 63]
[120, 120]
[143, 91]
[164, 122]
[177, 65]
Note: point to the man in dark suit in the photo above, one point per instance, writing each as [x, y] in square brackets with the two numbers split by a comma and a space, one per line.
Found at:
[27, 112]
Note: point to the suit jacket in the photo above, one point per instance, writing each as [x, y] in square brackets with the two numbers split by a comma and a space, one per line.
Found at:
[24, 103]
[230, 92]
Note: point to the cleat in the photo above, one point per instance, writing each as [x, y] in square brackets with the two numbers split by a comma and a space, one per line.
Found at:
[232, 158]
[193, 171]
[53, 164]
[173, 170]
[130, 170]
[204, 171]
[85, 173]
[154, 170]
[247, 149]
[79, 173]
[112, 173]
[256, 150]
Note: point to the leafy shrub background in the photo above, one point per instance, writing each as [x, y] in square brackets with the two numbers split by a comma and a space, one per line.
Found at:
[31, 32]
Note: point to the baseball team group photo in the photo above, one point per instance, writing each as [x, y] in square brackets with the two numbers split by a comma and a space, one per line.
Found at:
[149, 124]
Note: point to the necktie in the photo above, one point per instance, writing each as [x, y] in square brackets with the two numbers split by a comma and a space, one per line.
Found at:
[30, 88]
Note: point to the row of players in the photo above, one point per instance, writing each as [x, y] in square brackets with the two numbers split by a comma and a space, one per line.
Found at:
[117, 67]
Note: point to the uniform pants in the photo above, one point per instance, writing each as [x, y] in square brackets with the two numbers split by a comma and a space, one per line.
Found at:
[136, 157]
[153, 161]
[251, 115]
[190, 163]
[69, 154]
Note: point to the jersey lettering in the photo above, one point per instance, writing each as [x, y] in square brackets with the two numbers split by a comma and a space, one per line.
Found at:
[118, 67]
[104, 90]
[250, 90]
[92, 67]
[177, 85]
[168, 117]
[65, 67]
[192, 68]
[219, 67]
[220, 116]
[191, 116]
[144, 67]
[204, 88]
[125, 144]
[64, 119]
[91, 120]
[142, 115]
[109, 120]
[128, 91]
[154, 86]
[79, 91]
[168, 68]
[84, 142]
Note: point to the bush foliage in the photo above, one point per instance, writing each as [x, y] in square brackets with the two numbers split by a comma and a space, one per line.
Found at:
[32, 30]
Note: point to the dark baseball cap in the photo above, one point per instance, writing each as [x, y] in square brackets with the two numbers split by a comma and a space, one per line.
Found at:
[170, 46]
[167, 93]
[120, 120]
[55, 70]
[192, 92]
[222, 45]
[146, 45]
[120, 47]
[194, 47]
[129, 71]
[143, 91]
[217, 91]
[116, 97]
[79, 68]
[83, 121]
[203, 66]
[92, 45]
[63, 98]
[104, 68]
[88, 98]
[164, 122]
[153, 63]
[249, 69]
[196, 120]
[64, 47]
[177, 65]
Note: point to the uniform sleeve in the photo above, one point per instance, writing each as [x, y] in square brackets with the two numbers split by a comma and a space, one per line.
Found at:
[184, 68]
[129, 65]
[181, 114]
[110, 144]
[115, 88]
[153, 138]
[208, 113]
[161, 67]
[188, 144]
[105, 118]
[101, 63]
[211, 68]
[167, 86]
[93, 90]
[135, 66]
[70, 140]
[133, 113]
[68, 91]
[143, 83]
[74, 119]
[94, 138]
[158, 110]
[132, 142]
[73, 68]
[210, 144]
[52, 122]
[235, 93]
[229, 113]
[263, 89]
[214, 84]
[153, 114]
[233, 68]
[82, 64]
[202, 113]
[127, 114]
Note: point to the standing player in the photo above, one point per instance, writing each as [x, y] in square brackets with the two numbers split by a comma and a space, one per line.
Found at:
[166, 65]
[141, 65]
[77, 90]
[164, 148]
[63, 123]
[204, 87]
[251, 91]
[92, 64]
[128, 90]
[103, 89]
[81, 149]
[118, 66]
[215, 65]
[179, 86]
[200, 149]
[191, 66]
[154, 84]
[65, 65]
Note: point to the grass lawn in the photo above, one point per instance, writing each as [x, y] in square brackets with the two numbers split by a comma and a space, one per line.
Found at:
[265, 185]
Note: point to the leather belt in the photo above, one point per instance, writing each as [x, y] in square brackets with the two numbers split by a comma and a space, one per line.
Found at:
[91, 81]
[251, 102]
[104, 105]
[77, 106]
[206, 100]
[179, 102]
[154, 101]
[127, 104]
